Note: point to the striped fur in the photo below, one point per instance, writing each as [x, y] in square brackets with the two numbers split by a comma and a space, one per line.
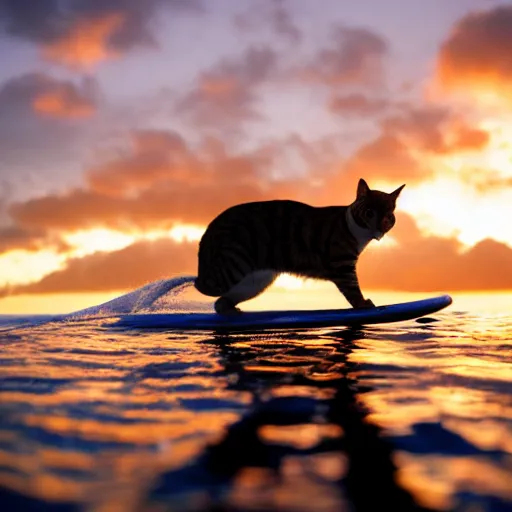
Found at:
[247, 246]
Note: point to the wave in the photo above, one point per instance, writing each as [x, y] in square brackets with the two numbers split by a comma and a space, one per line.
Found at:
[151, 297]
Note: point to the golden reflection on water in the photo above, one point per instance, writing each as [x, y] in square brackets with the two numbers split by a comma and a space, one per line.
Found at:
[256, 489]
[299, 436]
[100, 416]
[458, 379]
[436, 479]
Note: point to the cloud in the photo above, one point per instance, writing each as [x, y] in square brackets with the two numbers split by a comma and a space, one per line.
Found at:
[435, 129]
[476, 55]
[35, 91]
[408, 135]
[14, 237]
[75, 209]
[485, 180]
[385, 158]
[392, 155]
[468, 138]
[433, 264]
[79, 33]
[158, 182]
[86, 43]
[358, 105]
[158, 179]
[65, 100]
[125, 269]
[226, 94]
[416, 263]
[271, 14]
[355, 57]
[153, 156]
[44, 125]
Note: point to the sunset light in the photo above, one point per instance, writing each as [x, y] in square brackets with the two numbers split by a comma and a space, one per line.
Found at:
[20, 267]
[146, 172]
[255, 255]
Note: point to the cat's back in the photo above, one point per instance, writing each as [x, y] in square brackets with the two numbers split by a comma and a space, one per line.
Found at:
[262, 211]
[283, 223]
[255, 224]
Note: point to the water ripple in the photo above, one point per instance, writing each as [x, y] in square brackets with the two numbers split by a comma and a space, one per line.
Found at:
[106, 419]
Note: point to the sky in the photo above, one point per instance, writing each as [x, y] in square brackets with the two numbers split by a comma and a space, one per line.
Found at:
[127, 126]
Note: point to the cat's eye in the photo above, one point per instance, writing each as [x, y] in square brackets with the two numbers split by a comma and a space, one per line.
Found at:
[370, 213]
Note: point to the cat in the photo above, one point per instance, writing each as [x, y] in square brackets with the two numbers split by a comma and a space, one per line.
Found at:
[247, 246]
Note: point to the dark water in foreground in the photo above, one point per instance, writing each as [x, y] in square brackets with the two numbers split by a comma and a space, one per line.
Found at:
[101, 419]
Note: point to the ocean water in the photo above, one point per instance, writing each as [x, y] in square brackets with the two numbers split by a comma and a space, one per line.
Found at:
[403, 416]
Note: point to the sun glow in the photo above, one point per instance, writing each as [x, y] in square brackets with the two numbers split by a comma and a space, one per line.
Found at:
[23, 267]
[90, 241]
[447, 207]
[289, 282]
[87, 242]
[187, 233]
[469, 196]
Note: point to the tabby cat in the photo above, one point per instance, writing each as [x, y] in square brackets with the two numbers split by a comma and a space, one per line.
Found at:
[247, 246]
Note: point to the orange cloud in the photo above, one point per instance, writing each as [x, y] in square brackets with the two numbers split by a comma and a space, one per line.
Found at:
[416, 263]
[64, 100]
[434, 129]
[467, 138]
[225, 95]
[385, 158]
[80, 34]
[429, 263]
[357, 104]
[125, 269]
[86, 43]
[476, 55]
[162, 164]
[153, 157]
[157, 184]
[412, 139]
[37, 148]
[72, 210]
[217, 86]
[156, 208]
[159, 180]
[14, 237]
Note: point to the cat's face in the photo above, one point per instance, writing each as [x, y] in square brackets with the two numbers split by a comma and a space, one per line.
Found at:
[374, 210]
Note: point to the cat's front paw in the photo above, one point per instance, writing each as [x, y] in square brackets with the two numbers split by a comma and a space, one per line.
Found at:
[365, 304]
[224, 306]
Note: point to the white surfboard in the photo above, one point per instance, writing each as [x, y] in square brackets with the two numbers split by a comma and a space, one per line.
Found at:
[261, 320]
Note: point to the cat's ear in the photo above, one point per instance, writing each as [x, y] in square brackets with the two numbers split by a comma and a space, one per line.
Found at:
[362, 188]
[396, 193]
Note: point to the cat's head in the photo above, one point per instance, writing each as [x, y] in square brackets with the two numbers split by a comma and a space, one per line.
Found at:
[374, 210]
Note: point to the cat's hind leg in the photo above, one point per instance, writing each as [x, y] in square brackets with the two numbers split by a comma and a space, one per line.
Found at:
[247, 288]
